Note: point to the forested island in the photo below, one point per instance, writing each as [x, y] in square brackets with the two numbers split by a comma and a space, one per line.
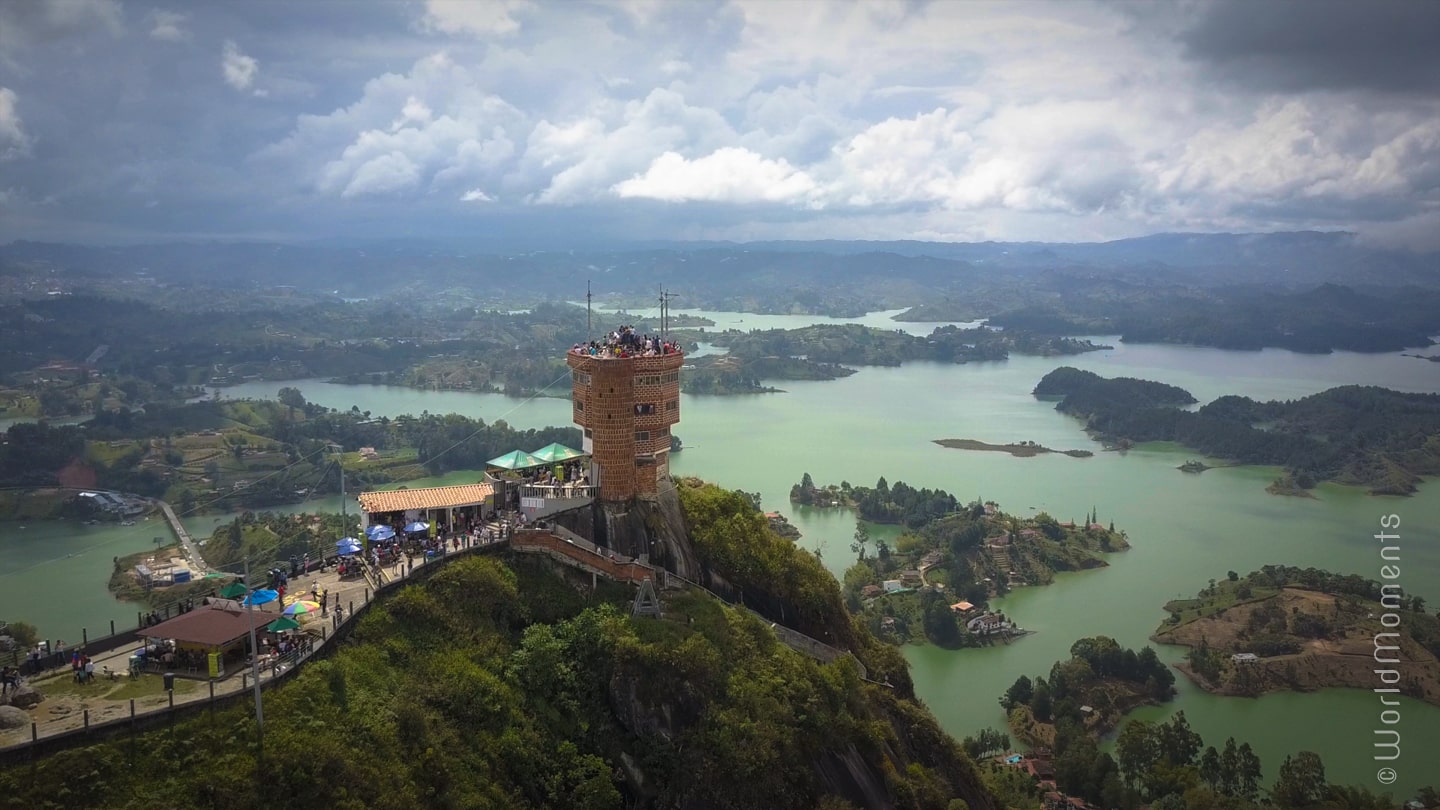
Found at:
[1366, 436]
[933, 582]
[854, 344]
[1285, 628]
[1021, 449]
[1092, 691]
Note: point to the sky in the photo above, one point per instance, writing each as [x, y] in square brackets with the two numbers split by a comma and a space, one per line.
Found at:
[125, 121]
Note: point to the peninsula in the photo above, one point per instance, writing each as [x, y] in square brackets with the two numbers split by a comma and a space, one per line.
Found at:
[933, 582]
[1093, 690]
[1366, 436]
[1291, 629]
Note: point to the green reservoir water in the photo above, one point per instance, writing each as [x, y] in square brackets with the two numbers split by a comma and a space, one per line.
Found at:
[1185, 529]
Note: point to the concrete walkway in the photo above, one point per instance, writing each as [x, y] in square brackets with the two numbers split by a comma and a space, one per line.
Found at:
[187, 545]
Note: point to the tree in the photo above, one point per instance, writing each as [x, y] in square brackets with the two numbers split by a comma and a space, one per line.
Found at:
[1041, 704]
[987, 741]
[1210, 767]
[1019, 693]
[292, 399]
[25, 634]
[1232, 576]
[1136, 750]
[1248, 772]
[1178, 743]
[1301, 782]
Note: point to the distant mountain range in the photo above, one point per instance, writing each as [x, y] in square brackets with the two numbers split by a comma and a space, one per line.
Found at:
[873, 274]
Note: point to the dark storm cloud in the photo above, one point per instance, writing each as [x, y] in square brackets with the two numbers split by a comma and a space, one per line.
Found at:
[1375, 45]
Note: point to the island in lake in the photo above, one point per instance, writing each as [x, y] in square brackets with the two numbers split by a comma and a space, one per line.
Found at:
[1291, 629]
[1092, 690]
[1366, 436]
[1023, 449]
[933, 583]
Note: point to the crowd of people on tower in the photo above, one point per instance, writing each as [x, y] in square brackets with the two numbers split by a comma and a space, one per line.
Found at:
[624, 342]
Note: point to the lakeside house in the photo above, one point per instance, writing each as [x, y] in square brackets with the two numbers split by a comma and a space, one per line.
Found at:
[931, 558]
[1244, 658]
[962, 607]
[988, 624]
[871, 591]
[910, 579]
[892, 585]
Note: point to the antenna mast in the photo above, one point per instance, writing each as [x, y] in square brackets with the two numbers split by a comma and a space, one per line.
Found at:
[589, 330]
[665, 313]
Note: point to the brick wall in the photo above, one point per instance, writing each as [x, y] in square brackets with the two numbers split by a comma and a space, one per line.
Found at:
[608, 395]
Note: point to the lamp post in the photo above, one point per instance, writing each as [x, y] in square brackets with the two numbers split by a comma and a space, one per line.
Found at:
[254, 662]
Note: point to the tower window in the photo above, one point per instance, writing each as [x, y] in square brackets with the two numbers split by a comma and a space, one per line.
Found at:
[644, 409]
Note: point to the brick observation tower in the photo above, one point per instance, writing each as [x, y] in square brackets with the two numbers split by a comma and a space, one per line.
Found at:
[626, 397]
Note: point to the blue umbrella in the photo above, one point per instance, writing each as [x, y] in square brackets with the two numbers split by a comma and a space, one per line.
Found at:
[417, 526]
[345, 549]
[347, 541]
[261, 597]
[380, 532]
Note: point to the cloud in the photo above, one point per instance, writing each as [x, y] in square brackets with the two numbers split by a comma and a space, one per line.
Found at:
[434, 128]
[1378, 45]
[167, 26]
[14, 143]
[588, 157]
[478, 18]
[725, 175]
[34, 23]
[239, 69]
[726, 118]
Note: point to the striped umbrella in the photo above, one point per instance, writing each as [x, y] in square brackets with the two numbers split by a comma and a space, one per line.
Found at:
[300, 607]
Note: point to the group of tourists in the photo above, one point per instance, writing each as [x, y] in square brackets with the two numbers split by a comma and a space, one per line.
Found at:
[624, 342]
[154, 617]
[82, 667]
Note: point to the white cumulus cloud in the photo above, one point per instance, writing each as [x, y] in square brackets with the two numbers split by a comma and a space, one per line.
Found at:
[14, 142]
[238, 68]
[476, 195]
[167, 26]
[731, 174]
[478, 18]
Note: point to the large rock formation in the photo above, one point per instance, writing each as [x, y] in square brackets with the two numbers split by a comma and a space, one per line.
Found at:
[637, 528]
[11, 717]
[23, 697]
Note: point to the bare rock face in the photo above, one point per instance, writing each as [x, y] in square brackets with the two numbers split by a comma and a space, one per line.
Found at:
[11, 717]
[24, 697]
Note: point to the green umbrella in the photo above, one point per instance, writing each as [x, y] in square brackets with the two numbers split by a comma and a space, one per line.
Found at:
[556, 452]
[515, 460]
[281, 624]
[234, 590]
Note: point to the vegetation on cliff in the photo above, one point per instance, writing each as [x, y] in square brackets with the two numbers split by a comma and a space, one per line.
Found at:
[1303, 629]
[1364, 435]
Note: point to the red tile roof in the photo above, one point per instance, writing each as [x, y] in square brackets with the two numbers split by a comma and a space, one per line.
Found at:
[210, 626]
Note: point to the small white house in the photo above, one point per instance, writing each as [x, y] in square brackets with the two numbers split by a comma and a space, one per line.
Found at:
[1244, 658]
